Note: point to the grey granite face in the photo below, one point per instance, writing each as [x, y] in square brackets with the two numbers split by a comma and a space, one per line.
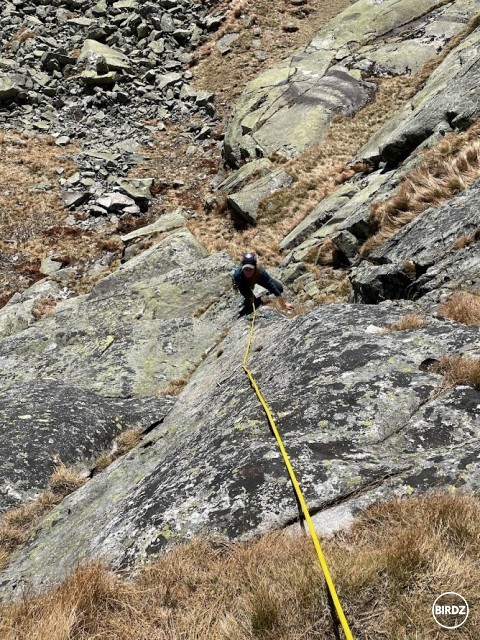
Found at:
[70, 382]
[44, 422]
[360, 417]
[428, 245]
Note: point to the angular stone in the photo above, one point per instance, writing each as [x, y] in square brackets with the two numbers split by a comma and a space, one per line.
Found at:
[115, 202]
[72, 199]
[166, 222]
[93, 79]
[224, 45]
[116, 60]
[239, 178]
[157, 46]
[168, 79]
[9, 88]
[372, 284]
[49, 266]
[245, 202]
[322, 213]
[347, 244]
[137, 188]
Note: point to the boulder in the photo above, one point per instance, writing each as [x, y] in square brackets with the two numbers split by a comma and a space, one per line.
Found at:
[246, 201]
[9, 88]
[166, 222]
[93, 79]
[137, 188]
[116, 60]
[238, 179]
[115, 202]
[72, 199]
[372, 284]
[358, 412]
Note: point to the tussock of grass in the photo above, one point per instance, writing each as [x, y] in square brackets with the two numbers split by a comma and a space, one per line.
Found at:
[446, 169]
[124, 442]
[44, 307]
[127, 440]
[460, 370]
[17, 524]
[407, 323]
[388, 570]
[462, 307]
[65, 480]
[175, 386]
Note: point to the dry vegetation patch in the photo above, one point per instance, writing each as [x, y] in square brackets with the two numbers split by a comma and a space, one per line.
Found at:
[407, 323]
[462, 307]
[449, 167]
[17, 524]
[388, 569]
[32, 214]
[461, 369]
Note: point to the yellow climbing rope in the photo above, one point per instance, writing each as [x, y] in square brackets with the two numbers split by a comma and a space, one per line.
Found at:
[298, 491]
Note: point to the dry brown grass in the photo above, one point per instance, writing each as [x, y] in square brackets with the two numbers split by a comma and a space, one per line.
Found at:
[21, 35]
[127, 440]
[65, 480]
[17, 524]
[124, 442]
[407, 323]
[44, 307]
[388, 570]
[462, 307]
[460, 370]
[449, 167]
[33, 222]
[175, 386]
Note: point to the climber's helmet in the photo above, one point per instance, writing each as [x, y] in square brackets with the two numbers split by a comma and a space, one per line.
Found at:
[249, 262]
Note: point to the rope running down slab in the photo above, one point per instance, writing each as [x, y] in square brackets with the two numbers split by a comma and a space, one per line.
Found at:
[298, 492]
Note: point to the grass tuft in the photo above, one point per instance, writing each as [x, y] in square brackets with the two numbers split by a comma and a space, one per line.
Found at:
[463, 307]
[65, 480]
[460, 370]
[407, 323]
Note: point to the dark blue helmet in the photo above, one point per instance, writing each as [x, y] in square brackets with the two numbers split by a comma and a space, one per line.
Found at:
[249, 258]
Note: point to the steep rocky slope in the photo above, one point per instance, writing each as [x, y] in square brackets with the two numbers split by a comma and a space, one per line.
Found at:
[367, 412]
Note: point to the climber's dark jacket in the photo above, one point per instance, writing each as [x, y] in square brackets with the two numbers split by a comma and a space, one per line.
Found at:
[261, 277]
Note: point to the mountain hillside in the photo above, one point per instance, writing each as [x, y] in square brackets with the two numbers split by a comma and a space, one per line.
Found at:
[146, 147]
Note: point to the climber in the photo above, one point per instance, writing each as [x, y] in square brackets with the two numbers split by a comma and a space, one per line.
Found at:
[248, 275]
